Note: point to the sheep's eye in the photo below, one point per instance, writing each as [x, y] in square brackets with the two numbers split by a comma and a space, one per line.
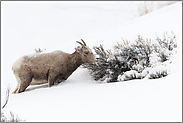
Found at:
[86, 52]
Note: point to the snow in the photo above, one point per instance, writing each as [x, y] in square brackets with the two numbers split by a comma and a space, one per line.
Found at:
[158, 69]
[56, 26]
[127, 75]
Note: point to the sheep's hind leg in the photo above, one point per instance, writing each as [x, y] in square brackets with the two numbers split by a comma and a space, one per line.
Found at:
[18, 84]
[14, 92]
[23, 83]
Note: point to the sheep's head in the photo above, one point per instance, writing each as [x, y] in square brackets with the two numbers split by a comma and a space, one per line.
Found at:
[87, 55]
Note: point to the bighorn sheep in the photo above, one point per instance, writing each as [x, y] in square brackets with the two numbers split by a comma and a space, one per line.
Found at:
[50, 67]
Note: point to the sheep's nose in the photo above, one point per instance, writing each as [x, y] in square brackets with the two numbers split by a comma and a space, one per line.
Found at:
[96, 59]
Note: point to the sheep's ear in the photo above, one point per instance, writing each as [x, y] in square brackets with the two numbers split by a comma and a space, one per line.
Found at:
[78, 49]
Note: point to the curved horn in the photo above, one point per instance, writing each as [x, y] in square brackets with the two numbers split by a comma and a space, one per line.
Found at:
[83, 42]
[80, 43]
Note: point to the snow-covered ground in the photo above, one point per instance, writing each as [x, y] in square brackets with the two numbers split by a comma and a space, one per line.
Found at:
[57, 25]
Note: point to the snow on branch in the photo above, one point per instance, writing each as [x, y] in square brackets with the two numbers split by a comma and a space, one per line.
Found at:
[133, 60]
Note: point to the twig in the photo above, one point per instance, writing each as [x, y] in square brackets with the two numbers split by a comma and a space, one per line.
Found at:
[7, 97]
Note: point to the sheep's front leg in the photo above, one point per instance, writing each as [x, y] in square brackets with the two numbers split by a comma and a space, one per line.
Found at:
[51, 79]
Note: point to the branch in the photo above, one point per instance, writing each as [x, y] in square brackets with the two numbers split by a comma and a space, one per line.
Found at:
[7, 97]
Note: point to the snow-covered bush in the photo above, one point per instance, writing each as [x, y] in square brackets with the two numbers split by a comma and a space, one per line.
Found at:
[132, 60]
[108, 65]
[129, 75]
[142, 49]
[164, 54]
[138, 67]
[166, 45]
[167, 41]
[158, 72]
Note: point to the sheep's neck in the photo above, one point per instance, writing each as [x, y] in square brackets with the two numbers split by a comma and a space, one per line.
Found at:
[74, 61]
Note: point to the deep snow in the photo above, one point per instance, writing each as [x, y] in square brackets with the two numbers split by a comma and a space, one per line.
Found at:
[80, 98]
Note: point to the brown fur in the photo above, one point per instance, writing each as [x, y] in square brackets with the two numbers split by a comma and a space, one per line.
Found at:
[49, 67]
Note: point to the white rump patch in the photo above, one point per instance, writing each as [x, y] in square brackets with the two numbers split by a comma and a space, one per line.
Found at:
[18, 63]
